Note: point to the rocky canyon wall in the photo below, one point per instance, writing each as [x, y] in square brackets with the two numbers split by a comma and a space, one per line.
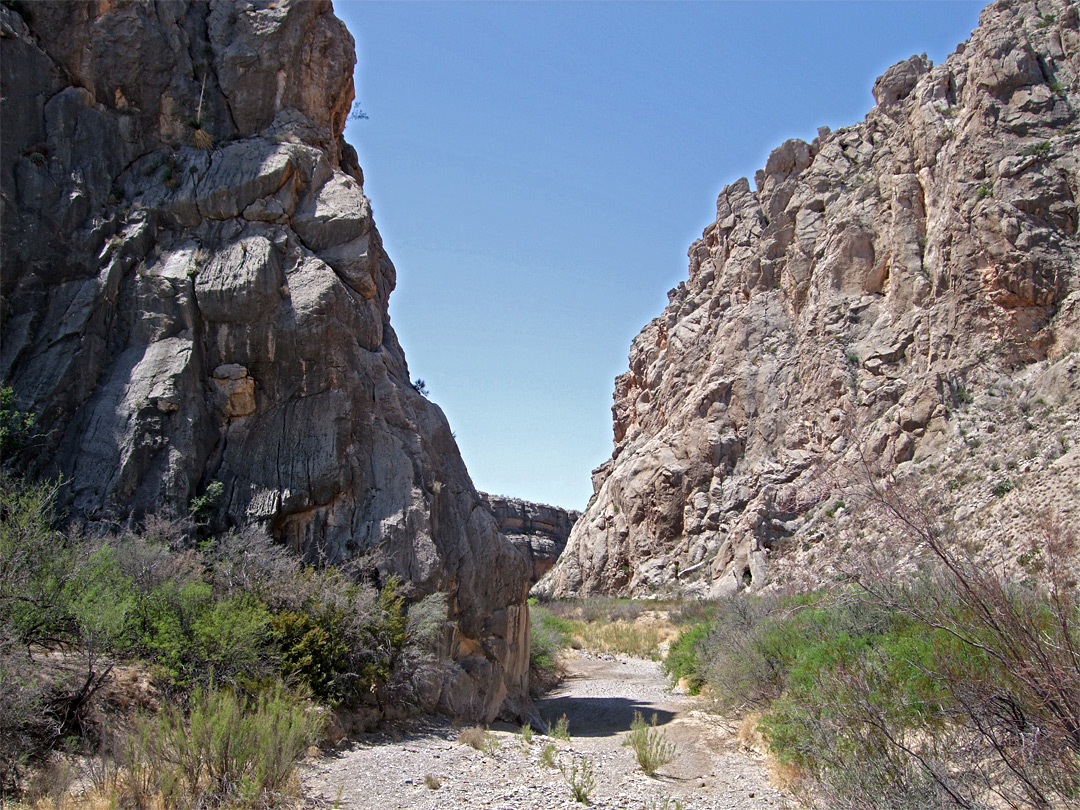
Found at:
[194, 293]
[539, 530]
[899, 298]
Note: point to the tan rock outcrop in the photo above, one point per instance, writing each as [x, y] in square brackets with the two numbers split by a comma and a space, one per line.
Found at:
[194, 291]
[879, 296]
[539, 530]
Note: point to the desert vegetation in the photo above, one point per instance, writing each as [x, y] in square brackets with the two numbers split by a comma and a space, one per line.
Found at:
[927, 678]
[649, 744]
[602, 624]
[232, 653]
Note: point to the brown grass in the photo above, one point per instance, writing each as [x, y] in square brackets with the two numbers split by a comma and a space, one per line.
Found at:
[474, 737]
[784, 776]
[749, 736]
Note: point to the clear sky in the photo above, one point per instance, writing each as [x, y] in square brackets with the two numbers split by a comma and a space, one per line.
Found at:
[538, 171]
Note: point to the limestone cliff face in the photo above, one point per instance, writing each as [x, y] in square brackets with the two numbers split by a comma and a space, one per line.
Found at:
[901, 292]
[539, 530]
[194, 291]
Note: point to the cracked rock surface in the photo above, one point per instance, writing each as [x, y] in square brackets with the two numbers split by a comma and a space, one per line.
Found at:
[194, 290]
[901, 295]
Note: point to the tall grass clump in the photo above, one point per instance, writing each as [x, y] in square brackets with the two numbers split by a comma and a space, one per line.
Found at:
[618, 637]
[650, 745]
[229, 749]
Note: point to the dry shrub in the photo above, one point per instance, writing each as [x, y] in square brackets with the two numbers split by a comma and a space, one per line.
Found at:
[636, 640]
[749, 735]
[202, 139]
[474, 737]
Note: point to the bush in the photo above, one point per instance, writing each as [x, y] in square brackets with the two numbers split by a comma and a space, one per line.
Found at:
[650, 744]
[954, 687]
[231, 749]
[581, 778]
[549, 634]
[196, 638]
[683, 661]
[238, 611]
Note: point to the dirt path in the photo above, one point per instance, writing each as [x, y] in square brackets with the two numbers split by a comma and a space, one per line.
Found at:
[387, 771]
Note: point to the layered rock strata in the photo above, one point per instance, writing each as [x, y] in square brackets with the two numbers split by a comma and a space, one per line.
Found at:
[194, 291]
[539, 530]
[899, 298]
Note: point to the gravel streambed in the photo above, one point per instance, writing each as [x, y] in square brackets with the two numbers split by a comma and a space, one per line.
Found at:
[420, 765]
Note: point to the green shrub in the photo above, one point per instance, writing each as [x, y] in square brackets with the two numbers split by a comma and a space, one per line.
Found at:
[581, 778]
[230, 749]
[549, 634]
[310, 652]
[547, 755]
[561, 729]
[1003, 487]
[196, 638]
[650, 744]
[1041, 149]
[683, 660]
[15, 425]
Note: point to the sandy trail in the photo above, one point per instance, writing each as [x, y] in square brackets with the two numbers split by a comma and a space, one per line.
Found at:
[387, 770]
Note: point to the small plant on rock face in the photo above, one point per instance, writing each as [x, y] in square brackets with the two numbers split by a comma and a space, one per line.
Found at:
[203, 504]
[1002, 488]
[15, 425]
[650, 744]
[1040, 150]
[357, 112]
[983, 191]
[581, 778]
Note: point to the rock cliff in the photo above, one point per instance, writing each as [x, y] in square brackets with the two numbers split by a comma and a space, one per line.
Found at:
[194, 293]
[539, 530]
[899, 296]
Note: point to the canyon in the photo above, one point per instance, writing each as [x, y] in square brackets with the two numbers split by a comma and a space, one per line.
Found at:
[893, 303]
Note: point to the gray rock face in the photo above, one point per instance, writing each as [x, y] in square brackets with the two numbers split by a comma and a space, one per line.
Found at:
[539, 530]
[177, 315]
[896, 296]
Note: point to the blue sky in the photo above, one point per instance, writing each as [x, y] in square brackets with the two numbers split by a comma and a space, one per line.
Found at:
[538, 171]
